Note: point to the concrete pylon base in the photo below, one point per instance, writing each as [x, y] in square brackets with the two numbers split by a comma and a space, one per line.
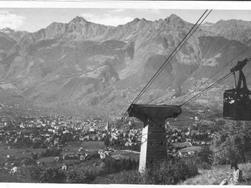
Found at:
[153, 142]
[143, 150]
[153, 145]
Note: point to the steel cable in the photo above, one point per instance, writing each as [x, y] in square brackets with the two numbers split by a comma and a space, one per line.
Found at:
[207, 88]
[173, 53]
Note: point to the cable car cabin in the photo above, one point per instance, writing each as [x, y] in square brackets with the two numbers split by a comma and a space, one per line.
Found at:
[237, 101]
[237, 105]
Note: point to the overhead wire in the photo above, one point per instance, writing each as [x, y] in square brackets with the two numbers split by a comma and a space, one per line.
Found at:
[210, 78]
[234, 58]
[217, 72]
[207, 88]
[173, 53]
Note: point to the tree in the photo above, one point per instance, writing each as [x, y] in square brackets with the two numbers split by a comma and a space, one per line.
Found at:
[52, 175]
[233, 144]
[205, 157]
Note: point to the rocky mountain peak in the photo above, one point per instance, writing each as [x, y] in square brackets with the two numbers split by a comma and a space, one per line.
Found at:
[138, 21]
[85, 63]
[174, 18]
[7, 30]
[78, 19]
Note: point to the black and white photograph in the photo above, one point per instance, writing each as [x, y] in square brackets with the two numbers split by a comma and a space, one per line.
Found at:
[125, 92]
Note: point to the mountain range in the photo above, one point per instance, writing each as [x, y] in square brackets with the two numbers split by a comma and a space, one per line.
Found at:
[87, 67]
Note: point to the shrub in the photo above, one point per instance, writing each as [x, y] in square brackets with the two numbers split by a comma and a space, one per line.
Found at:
[124, 177]
[112, 165]
[205, 155]
[168, 172]
[35, 173]
[6, 177]
[28, 161]
[171, 172]
[204, 158]
[34, 156]
[52, 175]
[220, 158]
[233, 144]
[204, 165]
[80, 177]
[51, 152]
[30, 174]
[230, 150]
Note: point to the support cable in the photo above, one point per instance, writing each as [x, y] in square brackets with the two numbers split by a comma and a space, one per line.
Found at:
[217, 72]
[207, 88]
[174, 52]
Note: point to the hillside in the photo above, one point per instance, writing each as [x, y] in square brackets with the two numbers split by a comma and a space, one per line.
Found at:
[216, 175]
[78, 65]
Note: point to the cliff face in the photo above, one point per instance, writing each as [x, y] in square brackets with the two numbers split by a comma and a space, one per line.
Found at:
[84, 64]
[233, 30]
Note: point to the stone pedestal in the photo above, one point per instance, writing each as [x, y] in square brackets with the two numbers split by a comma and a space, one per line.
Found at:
[153, 143]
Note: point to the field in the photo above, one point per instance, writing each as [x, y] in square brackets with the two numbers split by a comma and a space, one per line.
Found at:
[91, 168]
[206, 177]
[57, 149]
[72, 147]
[17, 152]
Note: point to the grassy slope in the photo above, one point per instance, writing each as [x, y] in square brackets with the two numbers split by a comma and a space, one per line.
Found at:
[217, 174]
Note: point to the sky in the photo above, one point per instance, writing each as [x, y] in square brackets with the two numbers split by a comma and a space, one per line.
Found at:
[33, 19]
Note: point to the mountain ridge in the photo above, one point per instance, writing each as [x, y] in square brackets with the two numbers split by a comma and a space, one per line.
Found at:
[87, 64]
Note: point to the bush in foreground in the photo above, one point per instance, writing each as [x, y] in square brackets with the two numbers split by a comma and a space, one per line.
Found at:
[52, 175]
[51, 152]
[204, 158]
[168, 172]
[113, 166]
[171, 172]
[80, 177]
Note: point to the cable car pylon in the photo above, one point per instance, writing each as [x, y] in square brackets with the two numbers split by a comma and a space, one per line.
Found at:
[153, 142]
